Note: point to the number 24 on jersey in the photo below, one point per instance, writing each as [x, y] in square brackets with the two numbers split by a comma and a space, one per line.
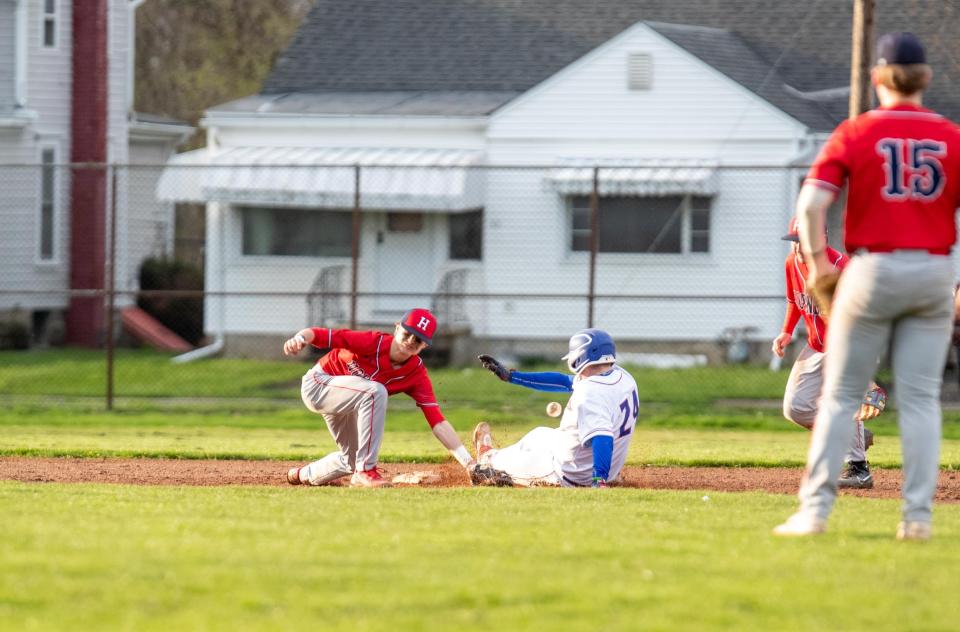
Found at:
[913, 169]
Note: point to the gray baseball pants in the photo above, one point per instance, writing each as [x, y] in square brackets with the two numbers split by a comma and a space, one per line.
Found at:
[903, 298]
[801, 398]
[355, 410]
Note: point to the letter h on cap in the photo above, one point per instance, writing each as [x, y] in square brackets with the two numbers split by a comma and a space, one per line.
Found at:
[421, 323]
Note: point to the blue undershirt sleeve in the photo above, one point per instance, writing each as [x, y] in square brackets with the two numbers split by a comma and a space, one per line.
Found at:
[602, 455]
[546, 381]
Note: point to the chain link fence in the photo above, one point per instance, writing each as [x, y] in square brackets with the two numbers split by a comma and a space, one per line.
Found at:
[681, 262]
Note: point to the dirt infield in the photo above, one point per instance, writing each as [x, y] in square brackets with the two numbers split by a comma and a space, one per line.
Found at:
[212, 472]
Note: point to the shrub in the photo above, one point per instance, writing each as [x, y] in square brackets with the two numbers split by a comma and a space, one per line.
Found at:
[14, 334]
[181, 314]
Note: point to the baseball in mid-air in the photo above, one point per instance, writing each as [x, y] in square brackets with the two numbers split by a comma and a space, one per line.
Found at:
[554, 409]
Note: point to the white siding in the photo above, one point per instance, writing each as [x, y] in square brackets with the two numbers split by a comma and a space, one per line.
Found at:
[49, 72]
[48, 94]
[690, 112]
[690, 108]
[21, 267]
[148, 229]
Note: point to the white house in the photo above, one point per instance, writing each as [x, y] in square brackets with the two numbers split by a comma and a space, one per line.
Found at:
[698, 130]
[65, 91]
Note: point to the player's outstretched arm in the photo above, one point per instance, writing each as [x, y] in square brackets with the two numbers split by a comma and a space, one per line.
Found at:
[493, 365]
[546, 381]
[446, 435]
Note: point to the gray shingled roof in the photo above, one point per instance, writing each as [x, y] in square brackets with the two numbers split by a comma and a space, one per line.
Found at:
[730, 55]
[508, 46]
[394, 102]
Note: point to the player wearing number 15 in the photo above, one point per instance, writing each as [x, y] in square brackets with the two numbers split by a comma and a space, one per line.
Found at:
[590, 446]
[902, 166]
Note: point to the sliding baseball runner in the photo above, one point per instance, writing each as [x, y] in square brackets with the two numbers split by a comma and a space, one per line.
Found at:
[590, 447]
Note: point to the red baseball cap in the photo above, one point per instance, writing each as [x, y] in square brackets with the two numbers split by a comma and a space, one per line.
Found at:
[421, 323]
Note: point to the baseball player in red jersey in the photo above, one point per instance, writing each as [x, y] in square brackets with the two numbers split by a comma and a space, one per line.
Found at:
[802, 394]
[349, 386]
[901, 162]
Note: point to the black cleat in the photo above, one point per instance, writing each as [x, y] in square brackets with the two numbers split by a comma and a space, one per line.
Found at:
[856, 475]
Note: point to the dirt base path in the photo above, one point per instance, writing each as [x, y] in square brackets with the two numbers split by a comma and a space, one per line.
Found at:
[212, 472]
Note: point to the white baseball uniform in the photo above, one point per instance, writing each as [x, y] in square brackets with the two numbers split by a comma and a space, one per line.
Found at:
[603, 404]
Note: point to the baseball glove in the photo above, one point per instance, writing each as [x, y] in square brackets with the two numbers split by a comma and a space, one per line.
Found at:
[493, 365]
[874, 402]
[823, 290]
[484, 475]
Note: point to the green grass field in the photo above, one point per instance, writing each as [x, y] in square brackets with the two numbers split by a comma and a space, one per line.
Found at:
[98, 557]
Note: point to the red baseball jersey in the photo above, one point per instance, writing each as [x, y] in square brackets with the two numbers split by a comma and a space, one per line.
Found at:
[800, 303]
[903, 167]
[366, 354]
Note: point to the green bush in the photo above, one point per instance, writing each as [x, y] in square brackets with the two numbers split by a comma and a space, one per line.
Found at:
[181, 314]
[14, 335]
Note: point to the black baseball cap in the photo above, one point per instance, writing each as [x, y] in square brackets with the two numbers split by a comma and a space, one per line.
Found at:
[900, 48]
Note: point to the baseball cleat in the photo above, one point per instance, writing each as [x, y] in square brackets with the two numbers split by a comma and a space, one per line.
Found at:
[799, 525]
[482, 439]
[368, 478]
[293, 476]
[856, 475]
[913, 530]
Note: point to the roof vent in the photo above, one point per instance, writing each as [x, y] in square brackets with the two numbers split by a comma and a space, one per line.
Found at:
[639, 71]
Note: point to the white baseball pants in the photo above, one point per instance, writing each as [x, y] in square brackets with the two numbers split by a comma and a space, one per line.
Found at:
[355, 410]
[529, 462]
[801, 398]
[904, 298]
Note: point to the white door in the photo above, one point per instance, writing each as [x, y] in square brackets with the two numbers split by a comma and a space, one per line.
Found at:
[404, 262]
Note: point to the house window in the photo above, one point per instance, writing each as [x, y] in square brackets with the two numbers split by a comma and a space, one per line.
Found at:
[466, 235]
[48, 203]
[662, 225]
[49, 23]
[296, 232]
[699, 224]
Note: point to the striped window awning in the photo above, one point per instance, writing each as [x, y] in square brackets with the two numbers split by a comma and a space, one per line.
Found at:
[642, 178]
[440, 180]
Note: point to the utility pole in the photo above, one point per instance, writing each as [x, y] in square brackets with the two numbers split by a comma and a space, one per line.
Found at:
[861, 45]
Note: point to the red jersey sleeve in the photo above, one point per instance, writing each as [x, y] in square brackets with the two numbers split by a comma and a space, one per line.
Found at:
[792, 317]
[830, 169]
[360, 342]
[421, 391]
[839, 260]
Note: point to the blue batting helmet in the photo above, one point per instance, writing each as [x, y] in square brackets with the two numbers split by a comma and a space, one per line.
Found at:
[590, 346]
